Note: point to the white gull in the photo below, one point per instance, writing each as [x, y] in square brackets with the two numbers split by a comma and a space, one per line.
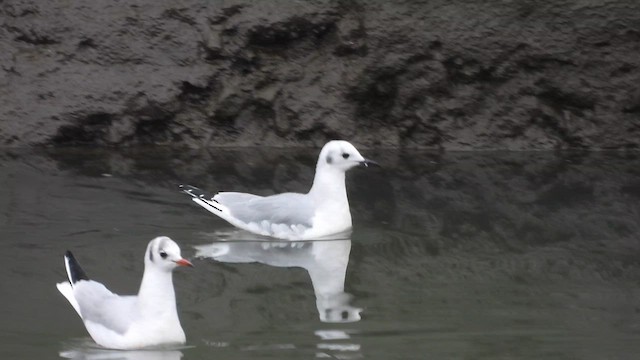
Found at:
[130, 322]
[321, 212]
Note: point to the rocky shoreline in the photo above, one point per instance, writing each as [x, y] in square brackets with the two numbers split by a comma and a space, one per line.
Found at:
[447, 75]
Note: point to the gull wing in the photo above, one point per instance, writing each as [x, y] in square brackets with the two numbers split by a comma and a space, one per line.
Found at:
[100, 306]
[230, 198]
[285, 209]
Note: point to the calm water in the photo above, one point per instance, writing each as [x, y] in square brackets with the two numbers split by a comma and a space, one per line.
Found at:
[456, 256]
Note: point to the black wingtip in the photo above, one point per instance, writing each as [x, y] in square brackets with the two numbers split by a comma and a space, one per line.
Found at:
[194, 191]
[190, 190]
[74, 270]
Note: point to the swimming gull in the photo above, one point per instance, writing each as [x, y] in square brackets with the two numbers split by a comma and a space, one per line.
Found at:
[130, 322]
[321, 212]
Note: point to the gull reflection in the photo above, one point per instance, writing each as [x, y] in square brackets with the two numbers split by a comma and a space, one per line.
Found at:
[91, 352]
[335, 346]
[325, 260]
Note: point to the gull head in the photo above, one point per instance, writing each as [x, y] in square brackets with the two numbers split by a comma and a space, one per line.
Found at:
[341, 155]
[164, 254]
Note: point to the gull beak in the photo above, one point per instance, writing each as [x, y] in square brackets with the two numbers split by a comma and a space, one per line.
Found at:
[368, 163]
[184, 262]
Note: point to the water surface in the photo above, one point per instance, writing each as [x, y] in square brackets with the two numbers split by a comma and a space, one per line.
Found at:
[455, 256]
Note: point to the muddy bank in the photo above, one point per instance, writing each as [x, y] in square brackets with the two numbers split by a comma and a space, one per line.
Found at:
[435, 74]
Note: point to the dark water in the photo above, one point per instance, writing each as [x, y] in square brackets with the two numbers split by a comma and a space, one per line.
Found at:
[456, 256]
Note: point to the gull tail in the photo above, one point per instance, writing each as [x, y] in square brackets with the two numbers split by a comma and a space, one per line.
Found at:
[194, 192]
[74, 271]
[74, 274]
[214, 206]
[202, 199]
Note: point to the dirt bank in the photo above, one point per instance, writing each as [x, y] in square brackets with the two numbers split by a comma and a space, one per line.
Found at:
[439, 74]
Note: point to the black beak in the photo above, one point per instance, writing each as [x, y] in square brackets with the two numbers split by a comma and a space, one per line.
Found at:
[369, 163]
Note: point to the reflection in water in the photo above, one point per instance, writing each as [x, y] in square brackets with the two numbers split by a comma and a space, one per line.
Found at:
[87, 350]
[455, 255]
[333, 345]
[325, 260]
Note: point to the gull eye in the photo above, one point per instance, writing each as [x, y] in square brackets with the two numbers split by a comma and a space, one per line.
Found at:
[345, 155]
[163, 254]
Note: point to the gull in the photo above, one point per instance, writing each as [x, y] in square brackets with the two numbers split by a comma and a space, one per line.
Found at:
[136, 321]
[321, 212]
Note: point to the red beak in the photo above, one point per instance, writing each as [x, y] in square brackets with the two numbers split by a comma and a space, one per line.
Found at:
[184, 262]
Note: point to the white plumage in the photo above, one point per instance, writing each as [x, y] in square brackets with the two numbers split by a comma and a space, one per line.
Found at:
[130, 322]
[321, 212]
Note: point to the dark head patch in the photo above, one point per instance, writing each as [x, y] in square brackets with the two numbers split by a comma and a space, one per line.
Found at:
[329, 159]
[151, 254]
